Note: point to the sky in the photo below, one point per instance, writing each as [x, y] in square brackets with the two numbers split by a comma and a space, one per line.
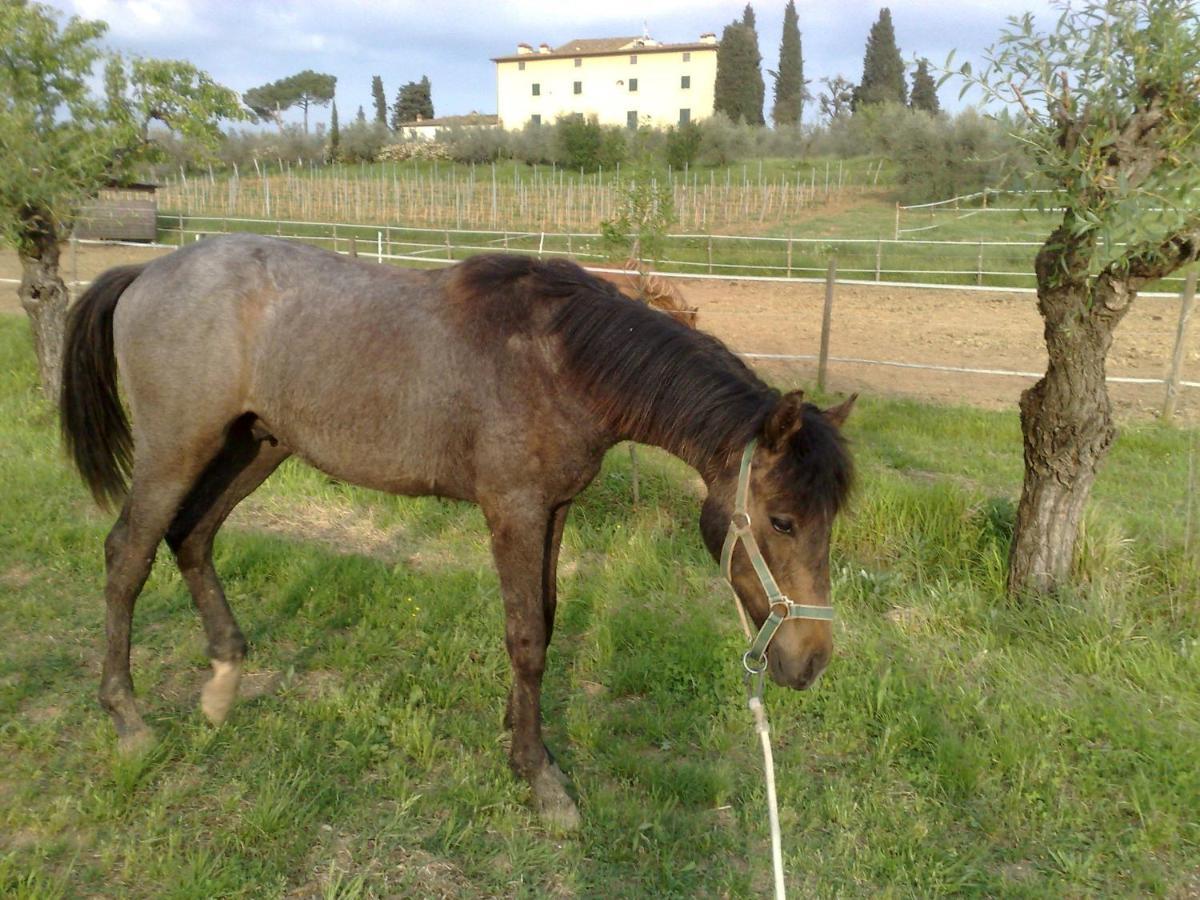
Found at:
[245, 43]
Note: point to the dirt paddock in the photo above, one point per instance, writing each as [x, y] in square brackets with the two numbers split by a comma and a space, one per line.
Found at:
[973, 329]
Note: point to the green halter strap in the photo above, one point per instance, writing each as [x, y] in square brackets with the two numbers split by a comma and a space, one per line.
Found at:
[782, 609]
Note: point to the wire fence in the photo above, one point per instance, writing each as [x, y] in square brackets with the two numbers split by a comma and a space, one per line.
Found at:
[923, 263]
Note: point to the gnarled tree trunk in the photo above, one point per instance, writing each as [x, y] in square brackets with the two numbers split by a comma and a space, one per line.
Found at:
[1066, 418]
[44, 297]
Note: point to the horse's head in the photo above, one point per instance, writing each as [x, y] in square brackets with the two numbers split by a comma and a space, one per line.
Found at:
[799, 476]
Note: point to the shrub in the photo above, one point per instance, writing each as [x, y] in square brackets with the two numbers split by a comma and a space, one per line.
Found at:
[363, 141]
[683, 145]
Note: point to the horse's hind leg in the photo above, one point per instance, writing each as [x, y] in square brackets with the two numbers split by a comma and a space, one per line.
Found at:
[243, 464]
[159, 484]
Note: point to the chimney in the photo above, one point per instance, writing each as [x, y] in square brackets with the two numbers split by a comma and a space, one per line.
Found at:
[708, 38]
[524, 49]
[543, 48]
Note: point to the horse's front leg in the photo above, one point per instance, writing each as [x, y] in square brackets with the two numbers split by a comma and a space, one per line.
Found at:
[523, 552]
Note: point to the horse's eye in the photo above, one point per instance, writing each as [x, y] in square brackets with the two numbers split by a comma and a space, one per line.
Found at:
[783, 526]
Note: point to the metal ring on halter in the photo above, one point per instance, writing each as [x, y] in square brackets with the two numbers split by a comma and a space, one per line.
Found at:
[784, 604]
[751, 669]
[740, 521]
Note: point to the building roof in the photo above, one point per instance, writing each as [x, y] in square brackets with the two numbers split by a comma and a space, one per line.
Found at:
[595, 45]
[606, 47]
[448, 121]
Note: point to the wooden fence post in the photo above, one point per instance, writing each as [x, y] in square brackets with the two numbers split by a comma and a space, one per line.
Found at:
[353, 247]
[710, 264]
[789, 258]
[826, 319]
[878, 257]
[1186, 306]
[979, 266]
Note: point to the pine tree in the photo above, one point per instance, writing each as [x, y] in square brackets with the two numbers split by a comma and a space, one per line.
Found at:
[738, 91]
[380, 99]
[413, 102]
[789, 79]
[883, 70]
[924, 89]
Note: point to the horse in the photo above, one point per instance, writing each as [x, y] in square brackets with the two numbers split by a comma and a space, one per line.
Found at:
[500, 381]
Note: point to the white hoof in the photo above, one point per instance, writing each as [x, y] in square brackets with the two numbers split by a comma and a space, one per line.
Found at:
[218, 694]
[554, 805]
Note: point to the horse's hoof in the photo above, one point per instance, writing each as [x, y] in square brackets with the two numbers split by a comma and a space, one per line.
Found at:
[135, 742]
[559, 775]
[217, 696]
[554, 805]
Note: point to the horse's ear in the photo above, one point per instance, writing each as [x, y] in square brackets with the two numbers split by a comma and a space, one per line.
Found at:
[784, 421]
[838, 414]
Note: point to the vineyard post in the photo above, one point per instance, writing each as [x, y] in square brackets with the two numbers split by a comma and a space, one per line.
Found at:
[1186, 306]
[826, 320]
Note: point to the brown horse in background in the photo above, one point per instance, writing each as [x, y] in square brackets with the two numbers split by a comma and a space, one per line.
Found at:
[501, 381]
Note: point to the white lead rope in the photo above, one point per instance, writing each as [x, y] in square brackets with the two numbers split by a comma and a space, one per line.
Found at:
[763, 729]
[764, 736]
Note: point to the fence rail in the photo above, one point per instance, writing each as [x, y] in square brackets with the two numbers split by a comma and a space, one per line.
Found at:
[934, 263]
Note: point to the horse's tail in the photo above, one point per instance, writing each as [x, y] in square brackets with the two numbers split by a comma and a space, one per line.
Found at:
[95, 428]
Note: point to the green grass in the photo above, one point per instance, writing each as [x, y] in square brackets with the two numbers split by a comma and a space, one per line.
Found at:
[959, 744]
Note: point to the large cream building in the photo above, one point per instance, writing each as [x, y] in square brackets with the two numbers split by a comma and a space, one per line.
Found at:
[630, 81]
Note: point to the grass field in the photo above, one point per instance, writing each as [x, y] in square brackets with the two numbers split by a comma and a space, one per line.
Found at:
[959, 744]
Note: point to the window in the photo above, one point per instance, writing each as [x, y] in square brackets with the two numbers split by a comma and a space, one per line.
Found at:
[685, 116]
[687, 57]
[521, 65]
[631, 119]
[685, 81]
[537, 89]
[578, 61]
[633, 59]
[633, 85]
[579, 87]
[535, 119]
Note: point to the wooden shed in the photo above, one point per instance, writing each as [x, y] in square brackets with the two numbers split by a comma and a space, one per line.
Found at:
[128, 212]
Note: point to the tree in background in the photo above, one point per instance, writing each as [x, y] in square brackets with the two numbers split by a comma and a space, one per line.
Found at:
[683, 145]
[1110, 108]
[335, 134]
[789, 79]
[748, 18]
[738, 90]
[837, 100]
[360, 117]
[380, 98]
[62, 144]
[755, 74]
[883, 70]
[414, 101]
[312, 89]
[304, 89]
[924, 89]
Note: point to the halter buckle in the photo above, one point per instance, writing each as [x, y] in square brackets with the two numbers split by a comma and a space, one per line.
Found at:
[740, 522]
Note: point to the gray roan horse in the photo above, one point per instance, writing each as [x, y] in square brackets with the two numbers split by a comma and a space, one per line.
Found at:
[501, 380]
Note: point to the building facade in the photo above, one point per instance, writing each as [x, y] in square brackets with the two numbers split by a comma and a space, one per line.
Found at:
[628, 81]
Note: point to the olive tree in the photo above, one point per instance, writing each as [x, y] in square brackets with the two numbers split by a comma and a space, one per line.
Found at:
[1110, 102]
[60, 143]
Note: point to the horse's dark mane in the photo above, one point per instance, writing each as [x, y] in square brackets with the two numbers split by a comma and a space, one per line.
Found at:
[649, 377]
[653, 379]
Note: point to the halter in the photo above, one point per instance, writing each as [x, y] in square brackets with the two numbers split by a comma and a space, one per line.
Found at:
[781, 608]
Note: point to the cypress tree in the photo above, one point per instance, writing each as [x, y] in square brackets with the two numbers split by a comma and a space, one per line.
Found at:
[883, 70]
[738, 91]
[425, 97]
[335, 135]
[789, 79]
[748, 18]
[380, 99]
[924, 89]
